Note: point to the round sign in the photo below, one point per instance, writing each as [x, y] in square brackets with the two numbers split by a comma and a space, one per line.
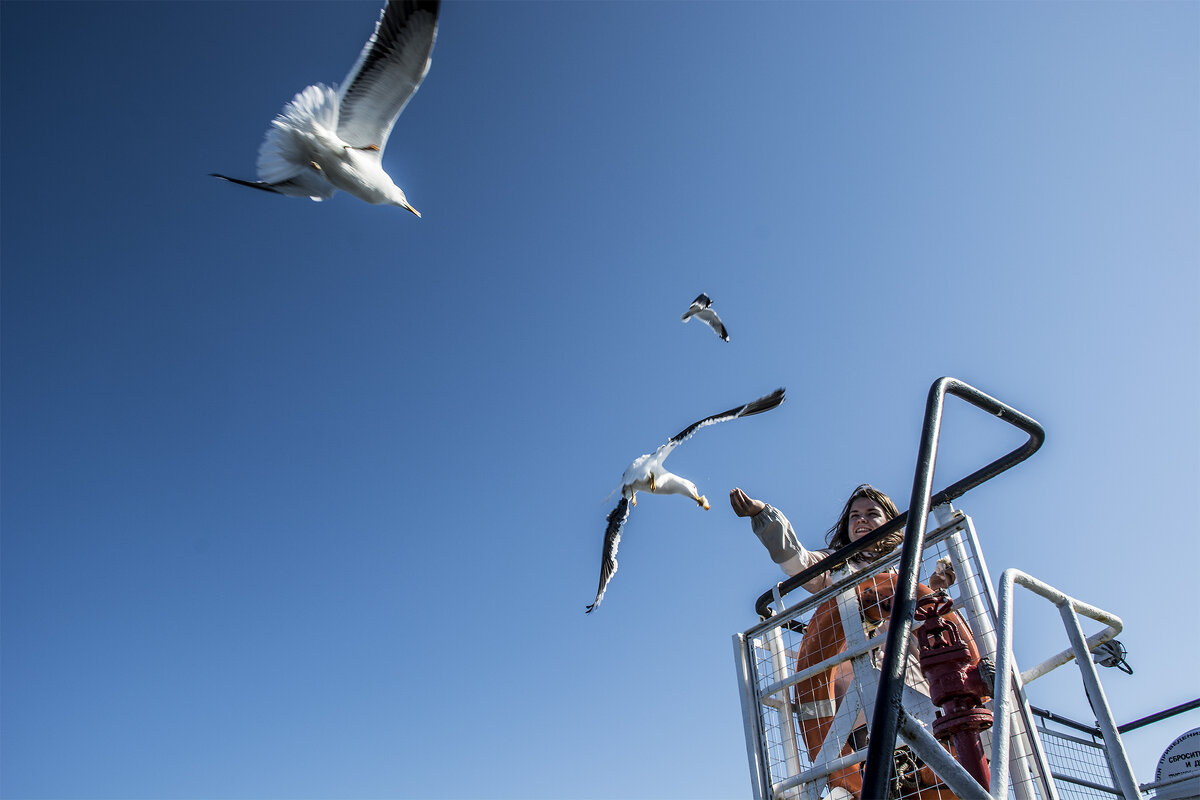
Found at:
[1181, 760]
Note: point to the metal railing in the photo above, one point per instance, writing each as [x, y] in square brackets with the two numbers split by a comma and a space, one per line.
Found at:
[786, 766]
[1078, 753]
[887, 711]
[1080, 650]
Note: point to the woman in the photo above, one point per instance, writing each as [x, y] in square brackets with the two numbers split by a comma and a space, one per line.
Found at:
[865, 510]
[816, 698]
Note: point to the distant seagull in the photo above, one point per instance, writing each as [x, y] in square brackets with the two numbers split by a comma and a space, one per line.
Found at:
[646, 473]
[701, 309]
[327, 139]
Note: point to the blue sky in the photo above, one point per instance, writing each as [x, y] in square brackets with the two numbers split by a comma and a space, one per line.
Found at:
[306, 500]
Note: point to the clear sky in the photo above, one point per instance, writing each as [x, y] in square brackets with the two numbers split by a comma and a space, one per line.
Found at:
[306, 500]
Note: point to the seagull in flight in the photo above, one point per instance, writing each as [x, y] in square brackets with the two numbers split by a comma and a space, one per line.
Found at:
[701, 309]
[646, 473]
[327, 139]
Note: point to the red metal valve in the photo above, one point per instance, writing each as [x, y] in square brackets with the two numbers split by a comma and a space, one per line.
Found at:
[950, 661]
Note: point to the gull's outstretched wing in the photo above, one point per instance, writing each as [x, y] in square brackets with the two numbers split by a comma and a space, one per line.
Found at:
[388, 71]
[303, 185]
[612, 538]
[765, 403]
[710, 318]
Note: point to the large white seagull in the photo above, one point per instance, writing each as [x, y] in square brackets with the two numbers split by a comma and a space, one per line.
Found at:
[647, 473]
[327, 139]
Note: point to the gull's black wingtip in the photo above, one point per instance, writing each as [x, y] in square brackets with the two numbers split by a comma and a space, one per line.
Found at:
[266, 187]
[765, 403]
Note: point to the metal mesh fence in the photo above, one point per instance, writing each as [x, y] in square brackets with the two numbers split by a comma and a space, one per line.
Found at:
[1077, 762]
[814, 673]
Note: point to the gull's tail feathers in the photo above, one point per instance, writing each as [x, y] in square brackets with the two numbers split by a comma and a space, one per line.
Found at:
[612, 538]
[283, 154]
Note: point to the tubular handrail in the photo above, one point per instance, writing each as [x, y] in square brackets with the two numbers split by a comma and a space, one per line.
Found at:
[842, 554]
[1036, 436]
[886, 717]
[1160, 716]
[1069, 608]
[888, 708]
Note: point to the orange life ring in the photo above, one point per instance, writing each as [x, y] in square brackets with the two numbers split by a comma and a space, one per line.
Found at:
[816, 697]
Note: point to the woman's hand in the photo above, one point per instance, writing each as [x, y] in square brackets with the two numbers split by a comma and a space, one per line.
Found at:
[943, 576]
[743, 505]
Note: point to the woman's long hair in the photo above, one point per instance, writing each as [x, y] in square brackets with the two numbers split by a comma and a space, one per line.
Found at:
[839, 534]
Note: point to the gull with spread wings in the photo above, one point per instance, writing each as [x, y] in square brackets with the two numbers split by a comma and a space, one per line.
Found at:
[327, 139]
[647, 473]
[701, 308]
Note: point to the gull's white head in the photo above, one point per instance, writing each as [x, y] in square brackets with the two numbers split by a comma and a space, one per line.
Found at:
[391, 194]
[403, 203]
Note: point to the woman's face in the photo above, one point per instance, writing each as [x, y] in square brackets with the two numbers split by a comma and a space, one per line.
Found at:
[865, 516]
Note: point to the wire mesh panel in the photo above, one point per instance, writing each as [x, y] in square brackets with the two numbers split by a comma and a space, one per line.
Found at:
[811, 672]
[1079, 757]
[1077, 762]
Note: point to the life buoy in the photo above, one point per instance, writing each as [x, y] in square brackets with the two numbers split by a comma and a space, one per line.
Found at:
[816, 697]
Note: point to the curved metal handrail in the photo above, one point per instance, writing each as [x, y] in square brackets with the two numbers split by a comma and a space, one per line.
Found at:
[956, 387]
[886, 716]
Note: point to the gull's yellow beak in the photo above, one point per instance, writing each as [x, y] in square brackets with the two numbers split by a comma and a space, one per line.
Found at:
[413, 210]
